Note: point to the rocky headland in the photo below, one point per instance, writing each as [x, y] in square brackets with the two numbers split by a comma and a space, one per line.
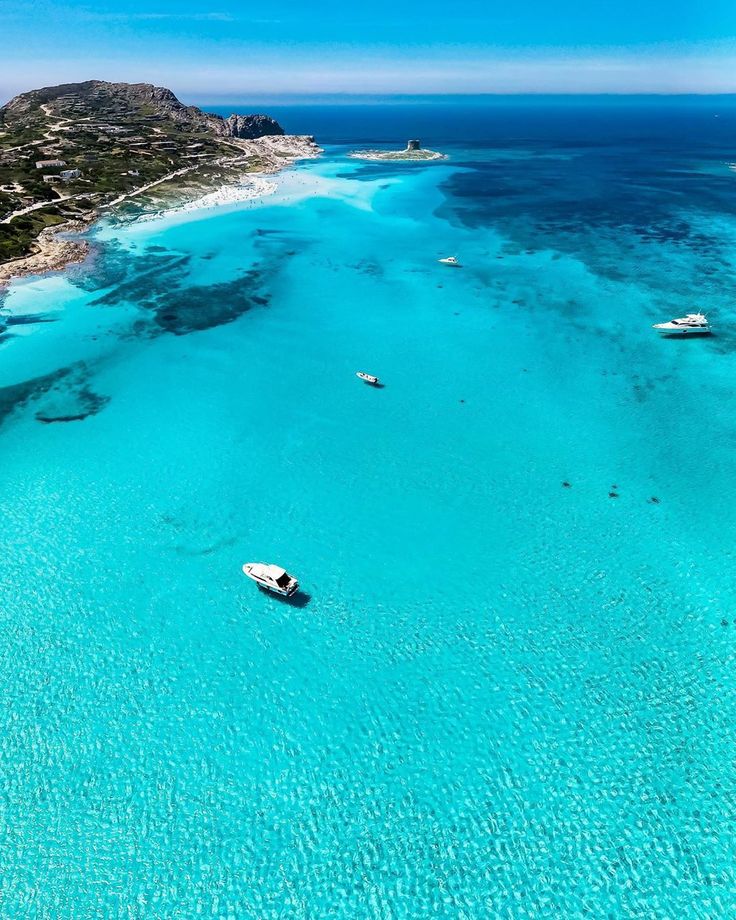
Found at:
[71, 152]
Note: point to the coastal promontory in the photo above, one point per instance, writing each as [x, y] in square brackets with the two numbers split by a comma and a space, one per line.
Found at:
[69, 151]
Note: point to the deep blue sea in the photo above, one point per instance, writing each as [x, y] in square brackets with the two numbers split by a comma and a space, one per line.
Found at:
[507, 688]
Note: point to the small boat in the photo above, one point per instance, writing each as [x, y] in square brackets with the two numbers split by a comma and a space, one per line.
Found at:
[368, 378]
[450, 260]
[271, 578]
[692, 324]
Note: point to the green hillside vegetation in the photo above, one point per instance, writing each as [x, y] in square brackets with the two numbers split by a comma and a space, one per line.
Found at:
[120, 136]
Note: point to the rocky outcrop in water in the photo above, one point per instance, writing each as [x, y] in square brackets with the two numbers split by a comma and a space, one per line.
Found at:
[251, 126]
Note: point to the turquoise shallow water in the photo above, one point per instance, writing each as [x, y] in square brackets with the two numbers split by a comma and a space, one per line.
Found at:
[498, 696]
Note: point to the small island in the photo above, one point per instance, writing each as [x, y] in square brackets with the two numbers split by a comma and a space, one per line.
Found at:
[413, 151]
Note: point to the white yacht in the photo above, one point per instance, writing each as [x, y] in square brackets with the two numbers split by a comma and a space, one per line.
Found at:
[271, 578]
[368, 378]
[692, 324]
[450, 260]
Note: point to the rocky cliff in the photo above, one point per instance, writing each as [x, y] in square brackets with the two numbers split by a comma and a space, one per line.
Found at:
[251, 126]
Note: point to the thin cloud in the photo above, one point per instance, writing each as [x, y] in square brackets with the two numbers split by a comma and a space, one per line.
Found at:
[673, 68]
[139, 17]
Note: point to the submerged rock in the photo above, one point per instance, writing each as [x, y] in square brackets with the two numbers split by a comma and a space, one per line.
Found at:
[62, 396]
[70, 405]
[198, 307]
[18, 394]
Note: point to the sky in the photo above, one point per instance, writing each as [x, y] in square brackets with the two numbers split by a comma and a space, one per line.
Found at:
[234, 50]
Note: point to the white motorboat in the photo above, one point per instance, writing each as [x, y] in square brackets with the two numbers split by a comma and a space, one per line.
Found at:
[271, 578]
[368, 378]
[692, 324]
[450, 260]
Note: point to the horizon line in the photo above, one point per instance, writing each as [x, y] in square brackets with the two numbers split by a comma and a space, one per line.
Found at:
[203, 98]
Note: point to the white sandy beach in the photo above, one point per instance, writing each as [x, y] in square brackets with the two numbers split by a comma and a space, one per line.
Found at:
[249, 189]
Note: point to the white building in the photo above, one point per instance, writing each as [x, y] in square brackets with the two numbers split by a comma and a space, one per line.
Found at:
[47, 164]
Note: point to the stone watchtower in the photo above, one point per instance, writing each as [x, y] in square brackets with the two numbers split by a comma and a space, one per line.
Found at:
[413, 145]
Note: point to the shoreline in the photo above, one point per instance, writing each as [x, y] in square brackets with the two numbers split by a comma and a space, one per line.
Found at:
[251, 187]
[54, 252]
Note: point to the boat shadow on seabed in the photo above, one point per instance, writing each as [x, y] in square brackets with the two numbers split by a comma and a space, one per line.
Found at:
[297, 599]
